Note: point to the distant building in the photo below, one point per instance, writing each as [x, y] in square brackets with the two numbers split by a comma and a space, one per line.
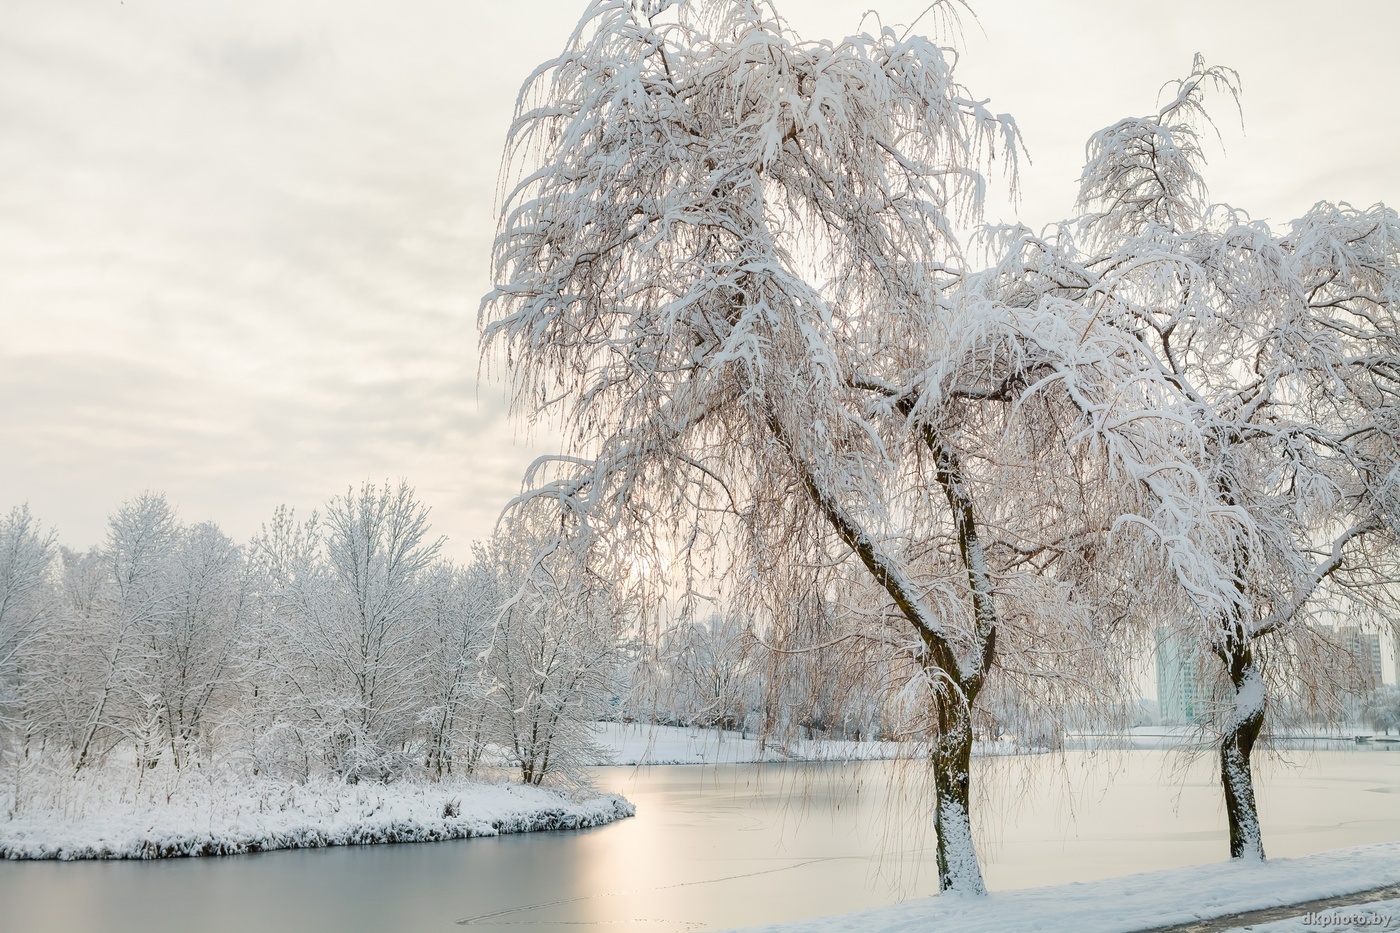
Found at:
[1182, 695]
[1365, 648]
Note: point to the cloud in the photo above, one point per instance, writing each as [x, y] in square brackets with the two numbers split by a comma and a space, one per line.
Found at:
[242, 245]
[257, 65]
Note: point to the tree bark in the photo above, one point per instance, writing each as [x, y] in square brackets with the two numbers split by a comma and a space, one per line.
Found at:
[954, 682]
[1236, 746]
[958, 867]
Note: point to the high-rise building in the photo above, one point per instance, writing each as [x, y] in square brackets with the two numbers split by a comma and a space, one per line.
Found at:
[1182, 696]
[1365, 648]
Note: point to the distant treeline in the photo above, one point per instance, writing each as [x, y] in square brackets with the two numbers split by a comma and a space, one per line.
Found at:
[341, 644]
[344, 644]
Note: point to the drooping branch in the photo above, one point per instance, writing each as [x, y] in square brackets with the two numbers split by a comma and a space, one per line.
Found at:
[887, 571]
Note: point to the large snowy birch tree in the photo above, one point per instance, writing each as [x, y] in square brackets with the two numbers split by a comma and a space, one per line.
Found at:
[726, 263]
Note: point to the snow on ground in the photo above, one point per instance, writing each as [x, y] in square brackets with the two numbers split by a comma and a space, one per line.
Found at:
[641, 744]
[1174, 737]
[112, 821]
[1141, 902]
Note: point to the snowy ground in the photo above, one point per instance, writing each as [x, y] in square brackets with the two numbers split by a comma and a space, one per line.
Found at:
[638, 744]
[109, 820]
[1172, 737]
[1151, 900]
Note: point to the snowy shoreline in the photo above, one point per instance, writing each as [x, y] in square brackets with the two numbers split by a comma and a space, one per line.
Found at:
[1146, 901]
[267, 816]
[646, 745]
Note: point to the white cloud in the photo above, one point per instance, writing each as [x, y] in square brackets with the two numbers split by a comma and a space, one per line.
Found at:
[242, 245]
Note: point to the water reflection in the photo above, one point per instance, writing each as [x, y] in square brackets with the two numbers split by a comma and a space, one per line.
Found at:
[720, 847]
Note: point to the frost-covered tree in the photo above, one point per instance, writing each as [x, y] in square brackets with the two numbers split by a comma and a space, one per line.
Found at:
[130, 598]
[349, 600]
[711, 671]
[377, 552]
[726, 263]
[138, 638]
[277, 723]
[27, 598]
[67, 654]
[555, 647]
[455, 684]
[1283, 344]
[192, 644]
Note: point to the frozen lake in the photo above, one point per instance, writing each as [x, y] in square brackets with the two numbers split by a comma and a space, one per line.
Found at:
[728, 846]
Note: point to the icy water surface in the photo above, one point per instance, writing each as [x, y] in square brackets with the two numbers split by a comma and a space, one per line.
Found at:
[721, 847]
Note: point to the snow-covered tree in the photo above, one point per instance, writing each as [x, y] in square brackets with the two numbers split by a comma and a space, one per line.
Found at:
[457, 630]
[349, 601]
[726, 264]
[554, 650]
[129, 599]
[377, 552]
[276, 724]
[711, 671]
[138, 639]
[27, 598]
[1283, 344]
[191, 645]
[67, 654]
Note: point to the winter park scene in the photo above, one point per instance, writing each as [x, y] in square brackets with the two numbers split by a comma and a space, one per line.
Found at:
[687, 465]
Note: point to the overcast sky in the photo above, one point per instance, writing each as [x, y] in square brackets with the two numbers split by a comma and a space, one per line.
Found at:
[242, 243]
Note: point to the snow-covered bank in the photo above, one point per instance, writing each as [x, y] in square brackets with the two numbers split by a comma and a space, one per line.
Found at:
[639, 744]
[1192, 738]
[262, 815]
[1134, 902]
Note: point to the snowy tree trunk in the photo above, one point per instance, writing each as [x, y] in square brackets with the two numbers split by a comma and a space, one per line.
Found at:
[958, 868]
[1246, 721]
[956, 682]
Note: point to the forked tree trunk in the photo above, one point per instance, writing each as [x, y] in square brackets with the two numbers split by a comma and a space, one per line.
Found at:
[1236, 746]
[958, 868]
[955, 682]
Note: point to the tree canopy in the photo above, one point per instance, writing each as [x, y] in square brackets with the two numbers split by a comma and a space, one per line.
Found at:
[727, 263]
